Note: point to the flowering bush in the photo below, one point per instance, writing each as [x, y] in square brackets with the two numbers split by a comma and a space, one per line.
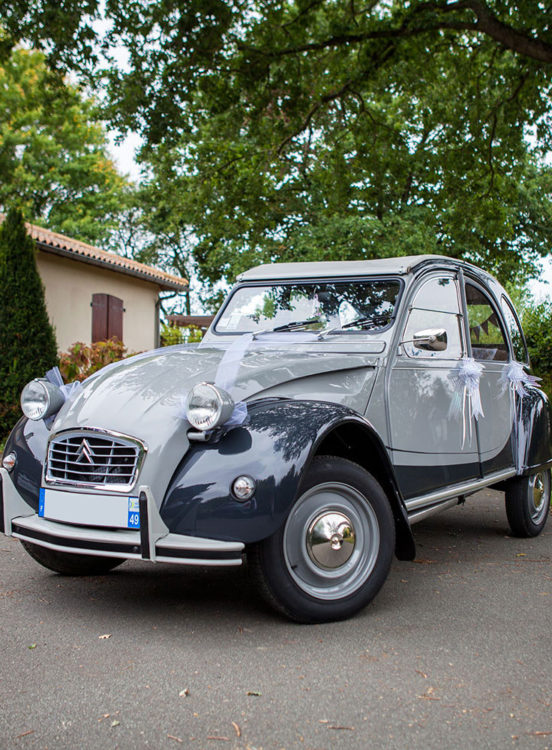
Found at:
[82, 360]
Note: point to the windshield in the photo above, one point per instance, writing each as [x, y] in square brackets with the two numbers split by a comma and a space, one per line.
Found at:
[311, 306]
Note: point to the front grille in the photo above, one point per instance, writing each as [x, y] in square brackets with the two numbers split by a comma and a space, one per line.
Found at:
[92, 459]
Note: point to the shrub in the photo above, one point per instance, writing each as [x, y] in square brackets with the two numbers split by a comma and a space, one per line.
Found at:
[27, 340]
[537, 326]
[171, 335]
[82, 360]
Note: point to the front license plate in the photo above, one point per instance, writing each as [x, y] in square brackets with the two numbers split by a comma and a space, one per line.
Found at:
[115, 511]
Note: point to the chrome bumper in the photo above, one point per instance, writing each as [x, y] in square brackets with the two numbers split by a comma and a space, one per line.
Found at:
[153, 542]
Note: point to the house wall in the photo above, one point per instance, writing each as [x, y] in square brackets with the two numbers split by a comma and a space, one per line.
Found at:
[69, 286]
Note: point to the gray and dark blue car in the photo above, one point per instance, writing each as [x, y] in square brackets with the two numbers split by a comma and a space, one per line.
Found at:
[329, 407]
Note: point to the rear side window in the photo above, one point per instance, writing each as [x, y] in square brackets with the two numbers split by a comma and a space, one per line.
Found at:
[516, 334]
[487, 338]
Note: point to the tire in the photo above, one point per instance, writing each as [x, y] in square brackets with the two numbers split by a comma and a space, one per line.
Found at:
[528, 504]
[333, 554]
[70, 564]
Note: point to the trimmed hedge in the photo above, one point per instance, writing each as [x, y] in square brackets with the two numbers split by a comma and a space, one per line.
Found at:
[27, 340]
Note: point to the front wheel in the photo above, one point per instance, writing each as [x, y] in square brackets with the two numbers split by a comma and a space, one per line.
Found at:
[528, 503]
[333, 554]
[70, 564]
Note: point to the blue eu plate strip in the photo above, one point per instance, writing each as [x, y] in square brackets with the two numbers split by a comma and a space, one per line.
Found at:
[41, 502]
[133, 513]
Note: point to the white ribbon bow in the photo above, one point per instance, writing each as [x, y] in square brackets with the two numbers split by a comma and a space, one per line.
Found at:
[467, 398]
[515, 378]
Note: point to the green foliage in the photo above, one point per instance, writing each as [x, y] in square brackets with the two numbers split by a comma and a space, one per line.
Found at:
[537, 326]
[82, 360]
[54, 160]
[315, 129]
[27, 341]
[64, 29]
[171, 335]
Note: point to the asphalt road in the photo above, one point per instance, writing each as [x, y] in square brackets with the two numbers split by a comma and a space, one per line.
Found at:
[455, 652]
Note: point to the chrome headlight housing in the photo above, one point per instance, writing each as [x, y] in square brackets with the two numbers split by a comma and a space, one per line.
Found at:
[208, 406]
[41, 399]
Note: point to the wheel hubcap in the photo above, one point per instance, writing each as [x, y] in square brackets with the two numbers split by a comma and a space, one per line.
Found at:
[330, 540]
[539, 497]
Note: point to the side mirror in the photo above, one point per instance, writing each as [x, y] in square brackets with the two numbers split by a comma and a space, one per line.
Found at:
[431, 340]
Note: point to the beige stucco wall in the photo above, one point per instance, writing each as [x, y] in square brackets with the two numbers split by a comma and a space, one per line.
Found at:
[69, 286]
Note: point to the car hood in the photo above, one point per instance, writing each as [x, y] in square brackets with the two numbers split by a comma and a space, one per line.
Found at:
[144, 396]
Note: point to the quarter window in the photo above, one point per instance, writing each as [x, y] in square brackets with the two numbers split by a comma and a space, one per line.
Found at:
[516, 334]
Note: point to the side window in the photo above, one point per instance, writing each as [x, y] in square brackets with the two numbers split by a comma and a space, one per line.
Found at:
[487, 338]
[435, 305]
[516, 334]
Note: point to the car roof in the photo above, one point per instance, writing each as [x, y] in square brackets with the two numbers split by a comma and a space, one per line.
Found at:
[329, 269]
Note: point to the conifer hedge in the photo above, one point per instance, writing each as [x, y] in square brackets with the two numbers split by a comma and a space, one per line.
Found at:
[27, 341]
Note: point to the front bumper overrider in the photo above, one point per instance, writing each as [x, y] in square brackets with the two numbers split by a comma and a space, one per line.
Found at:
[152, 542]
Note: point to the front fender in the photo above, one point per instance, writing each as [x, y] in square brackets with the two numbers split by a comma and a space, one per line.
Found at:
[28, 440]
[274, 448]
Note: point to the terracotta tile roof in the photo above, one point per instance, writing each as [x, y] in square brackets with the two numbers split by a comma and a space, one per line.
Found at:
[61, 245]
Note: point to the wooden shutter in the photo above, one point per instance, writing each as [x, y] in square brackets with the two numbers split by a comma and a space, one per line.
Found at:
[107, 317]
[114, 317]
[99, 317]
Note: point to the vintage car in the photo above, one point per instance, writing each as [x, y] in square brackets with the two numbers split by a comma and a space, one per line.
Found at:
[329, 407]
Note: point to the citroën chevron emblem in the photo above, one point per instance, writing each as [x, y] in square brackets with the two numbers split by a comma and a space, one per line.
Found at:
[84, 452]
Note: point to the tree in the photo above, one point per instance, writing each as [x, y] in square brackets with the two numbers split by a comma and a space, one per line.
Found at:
[68, 32]
[27, 341]
[54, 160]
[280, 129]
[309, 151]
[303, 130]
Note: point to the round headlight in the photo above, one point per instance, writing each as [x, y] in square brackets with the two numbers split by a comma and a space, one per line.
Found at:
[40, 399]
[208, 406]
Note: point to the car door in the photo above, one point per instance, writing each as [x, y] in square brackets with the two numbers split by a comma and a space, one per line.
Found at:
[432, 433]
[488, 344]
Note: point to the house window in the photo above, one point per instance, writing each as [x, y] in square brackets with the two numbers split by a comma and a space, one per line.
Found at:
[107, 317]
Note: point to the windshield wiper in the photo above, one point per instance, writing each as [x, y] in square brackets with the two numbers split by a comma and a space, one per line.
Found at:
[296, 324]
[370, 321]
[364, 321]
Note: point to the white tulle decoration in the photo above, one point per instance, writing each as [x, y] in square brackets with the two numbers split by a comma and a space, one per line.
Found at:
[68, 390]
[467, 398]
[229, 365]
[515, 378]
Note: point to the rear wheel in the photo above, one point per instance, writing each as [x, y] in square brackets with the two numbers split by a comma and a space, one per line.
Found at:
[528, 503]
[333, 554]
[70, 564]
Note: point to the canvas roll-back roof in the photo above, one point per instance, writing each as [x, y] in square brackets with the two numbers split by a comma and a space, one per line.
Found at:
[330, 269]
